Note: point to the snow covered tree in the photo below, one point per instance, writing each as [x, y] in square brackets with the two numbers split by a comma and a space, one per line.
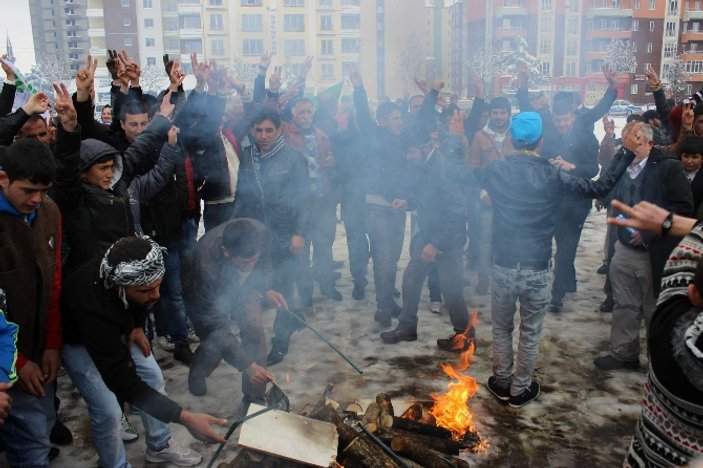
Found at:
[411, 61]
[153, 79]
[677, 76]
[244, 71]
[621, 56]
[47, 71]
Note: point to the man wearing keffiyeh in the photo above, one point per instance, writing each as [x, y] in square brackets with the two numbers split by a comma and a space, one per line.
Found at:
[107, 355]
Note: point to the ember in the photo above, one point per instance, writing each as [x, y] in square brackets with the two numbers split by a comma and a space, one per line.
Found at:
[451, 409]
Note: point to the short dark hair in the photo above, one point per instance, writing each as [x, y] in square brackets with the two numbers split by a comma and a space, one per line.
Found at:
[265, 113]
[302, 99]
[634, 118]
[133, 107]
[385, 109]
[28, 158]
[107, 106]
[649, 115]
[698, 110]
[244, 237]
[692, 145]
[563, 107]
[128, 249]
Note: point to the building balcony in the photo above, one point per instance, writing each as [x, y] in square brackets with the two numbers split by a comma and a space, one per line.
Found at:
[689, 15]
[511, 11]
[94, 13]
[189, 8]
[692, 36]
[95, 32]
[609, 12]
[692, 55]
[595, 54]
[502, 33]
[190, 32]
[609, 33]
[98, 52]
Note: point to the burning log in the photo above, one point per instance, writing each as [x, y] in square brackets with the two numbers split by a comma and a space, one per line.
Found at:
[418, 452]
[439, 444]
[370, 418]
[418, 427]
[357, 448]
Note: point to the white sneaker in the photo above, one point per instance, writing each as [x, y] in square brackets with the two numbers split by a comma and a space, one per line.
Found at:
[174, 453]
[435, 307]
[166, 343]
[128, 431]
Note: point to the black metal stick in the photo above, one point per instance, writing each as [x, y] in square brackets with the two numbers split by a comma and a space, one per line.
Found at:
[323, 338]
[231, 430]
[357, 425]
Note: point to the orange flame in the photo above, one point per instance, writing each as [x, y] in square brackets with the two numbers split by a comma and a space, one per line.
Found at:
[451, 409]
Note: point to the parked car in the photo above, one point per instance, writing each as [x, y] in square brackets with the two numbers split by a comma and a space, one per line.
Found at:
[623, 107]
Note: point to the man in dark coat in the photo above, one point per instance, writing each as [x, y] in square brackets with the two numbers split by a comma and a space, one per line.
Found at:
[225, 277]
[274, 188]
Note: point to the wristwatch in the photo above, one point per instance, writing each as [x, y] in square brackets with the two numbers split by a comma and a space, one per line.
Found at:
[668, 222]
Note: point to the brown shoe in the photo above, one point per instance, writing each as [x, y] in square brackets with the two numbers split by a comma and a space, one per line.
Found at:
[398, 335]
[458, 342]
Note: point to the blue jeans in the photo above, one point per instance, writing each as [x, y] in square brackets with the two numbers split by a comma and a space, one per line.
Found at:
[26, 430]
[170, 311]
[105, 412]
[532, 288]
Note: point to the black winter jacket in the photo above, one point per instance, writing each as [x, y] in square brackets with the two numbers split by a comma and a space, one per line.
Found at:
[93, 218]
[279, 197]
[96, 318]
[525, 191]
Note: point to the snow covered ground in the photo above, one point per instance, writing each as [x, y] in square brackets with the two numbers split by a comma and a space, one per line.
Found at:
[584, 417]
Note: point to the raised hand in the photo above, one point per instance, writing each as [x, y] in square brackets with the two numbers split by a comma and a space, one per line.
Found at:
[64, 107]
[166, 109]
[438, 84]
[610, 74]
[84, 79]
[110, 63]
[264, 63]
[168, 63]
[176, 76]
[201, 70]
[9, 72]
[687, 116]
[37, 104]
[456, 123]
[131, 68]
[306, 66]
[523, 74]
[652, 77]
[275, 80]
[356, 78]
[478, 83]
[173, 135]
[422, 85]
[609, 126]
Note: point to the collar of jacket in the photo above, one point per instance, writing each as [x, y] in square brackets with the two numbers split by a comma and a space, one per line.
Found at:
[6, 207]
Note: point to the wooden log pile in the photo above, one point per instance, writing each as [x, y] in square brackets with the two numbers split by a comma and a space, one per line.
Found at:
[412, 436]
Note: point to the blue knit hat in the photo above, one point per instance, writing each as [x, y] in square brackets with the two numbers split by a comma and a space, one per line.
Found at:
[526, 128]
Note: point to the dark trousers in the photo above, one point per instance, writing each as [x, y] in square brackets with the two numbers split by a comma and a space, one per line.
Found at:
[321, 233]
[217, 341]
[286, 266]
[434, 285]
[386, 229]
[450, 268]
[354, 216]
[567, 233]
[216, 214]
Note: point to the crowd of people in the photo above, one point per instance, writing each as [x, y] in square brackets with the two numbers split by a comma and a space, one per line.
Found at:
[100, 254]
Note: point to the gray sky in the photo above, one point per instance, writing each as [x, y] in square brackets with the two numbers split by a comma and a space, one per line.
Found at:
[15, 21]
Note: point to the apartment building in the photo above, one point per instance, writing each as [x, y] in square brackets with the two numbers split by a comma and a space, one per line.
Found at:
[691, 46]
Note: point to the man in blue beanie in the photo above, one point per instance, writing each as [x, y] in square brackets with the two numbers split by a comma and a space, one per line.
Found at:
[525, 190]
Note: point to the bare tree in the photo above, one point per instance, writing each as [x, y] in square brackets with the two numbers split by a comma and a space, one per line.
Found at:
[677, 75]
[47, 71]
[244, 71]
[411, 61]
[621, 56]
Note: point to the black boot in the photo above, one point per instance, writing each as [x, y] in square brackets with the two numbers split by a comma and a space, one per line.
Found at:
[359, 292]
[183, 353]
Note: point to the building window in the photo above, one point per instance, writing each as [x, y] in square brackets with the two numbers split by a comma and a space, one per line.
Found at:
[218, 48]
[151, 61]
[173, 44]
[216, 23]
[294, 3]
[127, 42]
[350, 45]
[348, 67]
[188, 46]
[325, 3]
[251, 2]
[326, 47]
[73, 56]
[148, 3]
[572, 25]
[126, 22]
[252, 47]
[546, 5]
[189, 21]
[350, 2]
[171, 6]
[652, 4]
[69, 11]
[635, 25]
[327, 71]
[545, 46]
[546, 24]
[293, 23]
[545, 68]
[70, 22]
[571, 69]
[571, 47]
[351, 21]
[70, 33]
[649, 47]
[171, 24]
[651, 26]
[148, 22]
[326, 23]
[150, 42]
[633, 89]
[669, 49]
[252, 23]
[125, 3]
[74, 44]
[294, 47]
[215, 3]
[638, 4]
